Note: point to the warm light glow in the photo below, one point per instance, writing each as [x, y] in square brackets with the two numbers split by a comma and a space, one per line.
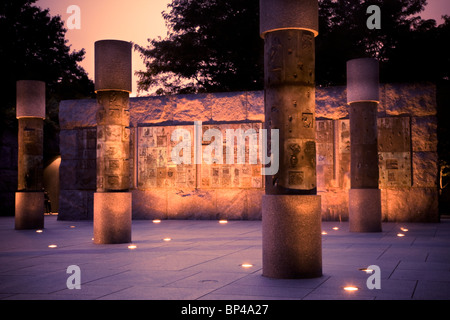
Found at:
[223, 221]
[335, 228]
[351, 288]
[324, 232]
[403, 229]
[72, 227]
[132, 246]
[400, 235]
[167, 239]
[52, 246]
[39, 231]
[156, 221]
[366, 270]
[246, 265]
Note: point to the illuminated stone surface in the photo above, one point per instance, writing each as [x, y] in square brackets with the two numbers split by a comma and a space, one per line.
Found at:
[412, 105]
[30, 111]
[364, 196]
[113, 210]
[29, 210]
[113, 65]
[291, 210]
[30, 99]
[112, 217]
[291, 228]
[364, 210]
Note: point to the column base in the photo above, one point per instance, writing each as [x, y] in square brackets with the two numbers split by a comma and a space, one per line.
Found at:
[29, 210]
[292, 240]
[112, 217]
[364, 210]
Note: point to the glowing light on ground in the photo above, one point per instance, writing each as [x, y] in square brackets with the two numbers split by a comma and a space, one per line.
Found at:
[403, 229]
[335, 228]
[366, 270]
[167, 239]
[246, 265]
[223, 221]
[39, 231]
[400, 235]
[132, 246]
[52, 246]
[324, 232]
[156, 221]
[350, 288]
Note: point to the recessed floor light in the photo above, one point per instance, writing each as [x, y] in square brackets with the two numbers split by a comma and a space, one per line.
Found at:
[156, 221]
[324, 232]
[350, 288]
[39, 231]
[167, 239]
[132, 246]
[223, 221]
[246, 265]
[366, 270]
[335, 228]
[404, 229]
[400, 235]
[52, 246]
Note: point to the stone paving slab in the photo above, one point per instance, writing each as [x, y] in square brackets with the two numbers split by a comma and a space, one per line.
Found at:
[203, 260]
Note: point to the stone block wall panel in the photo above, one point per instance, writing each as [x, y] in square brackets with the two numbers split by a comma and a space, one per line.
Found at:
[407, 127]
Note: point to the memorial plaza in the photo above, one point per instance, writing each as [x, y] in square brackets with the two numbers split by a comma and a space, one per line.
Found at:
[208, 260]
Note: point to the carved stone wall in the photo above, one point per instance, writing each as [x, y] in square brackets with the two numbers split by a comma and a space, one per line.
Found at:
[407, 149]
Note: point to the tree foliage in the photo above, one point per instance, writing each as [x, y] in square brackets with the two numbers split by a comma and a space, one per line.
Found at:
[33, 47]
[214, 45]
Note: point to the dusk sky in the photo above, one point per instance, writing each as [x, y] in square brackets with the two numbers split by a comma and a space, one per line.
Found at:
[139, 20]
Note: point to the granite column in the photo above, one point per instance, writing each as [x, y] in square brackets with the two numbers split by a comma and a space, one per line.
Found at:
[291, 208]
[112, 201]
[363, 99]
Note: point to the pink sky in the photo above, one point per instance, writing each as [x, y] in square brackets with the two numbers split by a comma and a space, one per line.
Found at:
[139, 20]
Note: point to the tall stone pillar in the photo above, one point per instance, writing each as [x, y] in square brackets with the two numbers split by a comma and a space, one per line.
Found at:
[363, 98]
[291, 208]
[30, 112]
[112, 201]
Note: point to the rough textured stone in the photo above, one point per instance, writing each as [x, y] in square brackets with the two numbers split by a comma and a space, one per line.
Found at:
[29, 210]
[424, 133]
[331, 102]
[231, 204]
[364, 210]
[112, 217]
[412, 204]
[425, 169]
[255, 105]
[334, 204]
[75, 204]
[227, 106]
[409, 99]
[191, 204]
[152, 109]
[292, 243]
[77, 113]
[150, 204]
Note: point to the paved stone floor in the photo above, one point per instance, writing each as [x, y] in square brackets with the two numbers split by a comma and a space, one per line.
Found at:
[204, 261]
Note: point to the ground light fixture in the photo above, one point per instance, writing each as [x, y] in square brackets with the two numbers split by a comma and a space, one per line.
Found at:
[223, 221]
[132, 246]
[400, 234]
[246, 265]
[52, 246]
[156, 221]
[350, 288]
[167, 239]
[39, 231]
